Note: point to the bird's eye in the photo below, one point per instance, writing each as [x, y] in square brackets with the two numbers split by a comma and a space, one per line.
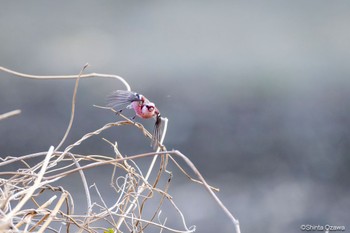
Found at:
[150, 108]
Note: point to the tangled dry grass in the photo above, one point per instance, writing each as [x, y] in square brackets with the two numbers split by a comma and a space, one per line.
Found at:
[32, 200]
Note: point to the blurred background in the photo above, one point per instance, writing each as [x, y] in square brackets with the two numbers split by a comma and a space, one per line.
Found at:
[257, 96]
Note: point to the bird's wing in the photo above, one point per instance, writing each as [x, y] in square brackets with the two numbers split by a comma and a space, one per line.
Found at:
[121, 97]
[157, 132]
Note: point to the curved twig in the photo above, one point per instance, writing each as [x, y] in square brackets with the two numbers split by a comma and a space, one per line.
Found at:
[91, 75]
[73, 108]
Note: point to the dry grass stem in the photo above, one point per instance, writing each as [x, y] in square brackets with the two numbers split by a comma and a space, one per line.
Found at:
[52, 77]
[10, 114]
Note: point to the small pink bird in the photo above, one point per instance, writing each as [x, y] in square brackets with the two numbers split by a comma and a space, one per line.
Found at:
[142, 107]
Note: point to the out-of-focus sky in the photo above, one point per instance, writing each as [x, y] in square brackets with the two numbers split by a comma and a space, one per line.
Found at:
[257, 95]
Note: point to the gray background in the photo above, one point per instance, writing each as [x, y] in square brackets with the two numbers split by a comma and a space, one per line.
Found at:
[256, 92]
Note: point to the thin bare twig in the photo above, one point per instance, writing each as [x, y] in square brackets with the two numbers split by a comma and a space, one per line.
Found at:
[9, 114]
[41, 77]
[73, 108]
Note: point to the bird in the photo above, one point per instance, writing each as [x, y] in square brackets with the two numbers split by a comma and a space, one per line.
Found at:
[143, 108]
